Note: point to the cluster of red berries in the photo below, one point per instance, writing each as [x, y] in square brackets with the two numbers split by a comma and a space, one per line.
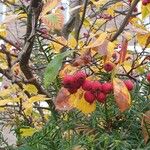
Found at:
[74, 82]
[145, 2]
[94, 90]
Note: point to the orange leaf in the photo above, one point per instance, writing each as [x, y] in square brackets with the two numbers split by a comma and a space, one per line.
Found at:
[48, 6]
[62, 100]
[121, 94]
[123, 50]
[145, 124]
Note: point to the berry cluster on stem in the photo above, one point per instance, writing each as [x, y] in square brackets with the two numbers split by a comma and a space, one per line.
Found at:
[94, 90]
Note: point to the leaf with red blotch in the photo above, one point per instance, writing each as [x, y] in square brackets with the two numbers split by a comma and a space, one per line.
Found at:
[121, 94]
[62, 100]
[54, 20]
[145, 124]
[49, 6]
[84, 59]
[123, 50]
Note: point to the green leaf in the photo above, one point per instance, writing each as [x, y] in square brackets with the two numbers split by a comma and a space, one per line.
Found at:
[53, 68]
[1, 79]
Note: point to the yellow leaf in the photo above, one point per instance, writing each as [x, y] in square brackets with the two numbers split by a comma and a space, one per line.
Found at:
[6, 101]
[5, 92]
[37, 98]
[2, 109]
[12, 1]
[72, 43]
[28, 105]
[30, 88]
[143, 39]
[3, 30]
[99, 3]
[86, 23]
[112, 8]
[57, 46]
[28, 108]
[25, 132]
[98, 41]
[99, 22]
[77, 100]
[110, 49]
[127, 65]
[22, 15]
[140, 70]
[148, 7]
[121, 94]
[145, 10]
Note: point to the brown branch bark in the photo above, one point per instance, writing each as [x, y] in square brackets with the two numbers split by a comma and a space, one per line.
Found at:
[82, 20]
[32, 20]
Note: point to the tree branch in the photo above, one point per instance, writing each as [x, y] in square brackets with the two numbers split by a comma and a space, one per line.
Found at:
[82, 20]
[35, 9]
[124, 23]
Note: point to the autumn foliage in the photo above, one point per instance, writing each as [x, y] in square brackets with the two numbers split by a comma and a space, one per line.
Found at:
[75, 75]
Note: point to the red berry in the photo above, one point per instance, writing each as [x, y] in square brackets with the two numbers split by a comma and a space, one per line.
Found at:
[107, 87]
[145, 2]
[148, 77]
[108, 66]
[96, 86]
[80, 77]
[129, 84]
[62, 8]
[101, 97]
[5, 86]
[89, 97]
[72, 90]
[69, 81]
[87, 85]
